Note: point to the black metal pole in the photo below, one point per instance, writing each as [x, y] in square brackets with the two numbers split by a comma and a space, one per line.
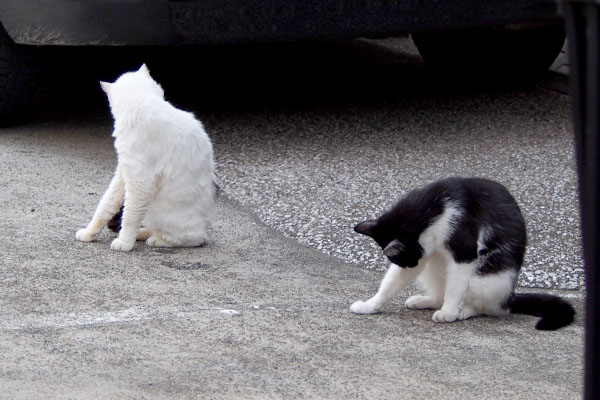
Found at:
[583, 31]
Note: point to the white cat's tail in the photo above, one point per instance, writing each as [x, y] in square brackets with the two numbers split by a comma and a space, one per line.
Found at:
[554, 312]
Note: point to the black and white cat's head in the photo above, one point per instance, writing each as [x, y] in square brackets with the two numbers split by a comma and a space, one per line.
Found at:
[401, 249]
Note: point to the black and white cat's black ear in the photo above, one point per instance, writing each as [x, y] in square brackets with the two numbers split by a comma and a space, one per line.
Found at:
[366, 227]
[393, 249]
[144, 69]
[105, 86]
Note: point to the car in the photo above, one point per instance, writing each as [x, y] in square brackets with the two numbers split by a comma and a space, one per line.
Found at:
[495, 37]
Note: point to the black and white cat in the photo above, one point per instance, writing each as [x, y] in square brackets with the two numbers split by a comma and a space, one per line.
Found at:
[465, 239]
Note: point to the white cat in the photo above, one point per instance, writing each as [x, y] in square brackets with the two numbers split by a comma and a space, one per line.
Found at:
[165, 176]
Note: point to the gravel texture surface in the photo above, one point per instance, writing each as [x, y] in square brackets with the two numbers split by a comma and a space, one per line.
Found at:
[251, 315]
[314, 174]
[314, 169]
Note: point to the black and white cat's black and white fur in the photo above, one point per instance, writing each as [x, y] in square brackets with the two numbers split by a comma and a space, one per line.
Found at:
[465, 239]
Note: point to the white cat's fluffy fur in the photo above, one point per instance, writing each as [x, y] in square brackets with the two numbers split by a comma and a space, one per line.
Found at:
[165, 174]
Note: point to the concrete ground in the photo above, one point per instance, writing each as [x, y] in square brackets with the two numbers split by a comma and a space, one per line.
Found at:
[306, 146]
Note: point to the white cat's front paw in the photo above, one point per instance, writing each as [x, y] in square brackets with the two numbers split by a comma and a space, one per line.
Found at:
[120, 245]
[444, 316]
[363, 307]
[86, 235]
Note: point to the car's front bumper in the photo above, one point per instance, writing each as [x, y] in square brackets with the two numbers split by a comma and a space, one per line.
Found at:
[167, 22]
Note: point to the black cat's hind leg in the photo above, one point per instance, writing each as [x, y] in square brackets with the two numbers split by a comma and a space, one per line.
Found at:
[458, 277]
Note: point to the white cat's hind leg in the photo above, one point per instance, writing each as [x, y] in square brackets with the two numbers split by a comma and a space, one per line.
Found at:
[143, 234]
[157, 241]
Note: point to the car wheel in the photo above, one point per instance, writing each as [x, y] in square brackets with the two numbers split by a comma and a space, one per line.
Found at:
[513, 51]
[19, 72]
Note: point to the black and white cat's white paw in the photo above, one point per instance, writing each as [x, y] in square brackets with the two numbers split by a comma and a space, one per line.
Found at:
[422, 303]
[445, 315]
[454, 315]
[467, 312]
[121, 245]
[364, 307]
[86, 235]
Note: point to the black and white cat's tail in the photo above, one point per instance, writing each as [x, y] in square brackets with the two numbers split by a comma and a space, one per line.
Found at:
[115, 223]
[553, 311]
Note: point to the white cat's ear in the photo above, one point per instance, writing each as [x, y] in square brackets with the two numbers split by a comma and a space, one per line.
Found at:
[366, 227]
[393, 249]
[105, 86]
[144, 69]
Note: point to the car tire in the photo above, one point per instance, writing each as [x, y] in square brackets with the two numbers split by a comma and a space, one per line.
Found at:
[514, 51]
[19, 73]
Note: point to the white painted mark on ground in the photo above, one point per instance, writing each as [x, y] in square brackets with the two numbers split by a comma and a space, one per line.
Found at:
[130, 315]
[229, 312]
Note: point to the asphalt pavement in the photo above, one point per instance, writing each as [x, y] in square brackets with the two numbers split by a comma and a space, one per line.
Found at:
[309, 140]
